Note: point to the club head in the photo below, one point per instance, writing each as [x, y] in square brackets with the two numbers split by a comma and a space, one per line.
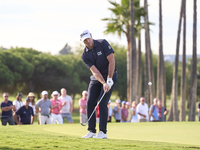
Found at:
[83, 124]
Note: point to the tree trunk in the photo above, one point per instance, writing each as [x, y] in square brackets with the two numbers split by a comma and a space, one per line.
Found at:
[173, 114]
[133, 54]
[183, 90]
[193, 88]
[149, 56]
[146, 58]
[159, 65]
[128, 68]
[138, 72]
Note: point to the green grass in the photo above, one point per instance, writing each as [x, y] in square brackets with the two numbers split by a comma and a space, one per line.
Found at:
[151, 136]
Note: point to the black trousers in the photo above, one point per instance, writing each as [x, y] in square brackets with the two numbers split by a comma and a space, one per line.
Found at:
[95, 91]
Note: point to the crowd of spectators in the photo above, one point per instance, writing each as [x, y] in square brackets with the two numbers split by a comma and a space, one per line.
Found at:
[60, 107]
[47, 111]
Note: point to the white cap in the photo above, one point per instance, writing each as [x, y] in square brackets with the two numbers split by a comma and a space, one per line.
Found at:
[84, 35]
[118, 101]
[44, 92]
[55, 93]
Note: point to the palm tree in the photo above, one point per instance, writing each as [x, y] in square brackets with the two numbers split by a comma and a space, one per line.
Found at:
[120, 23]
[173, 114]
[193, 88]
[160, 69]
[148, 59]
[183, 83]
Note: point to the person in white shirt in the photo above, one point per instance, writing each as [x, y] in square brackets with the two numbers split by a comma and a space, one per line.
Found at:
[18, 102]
[67, 105]
[142, 109]
[31, 96]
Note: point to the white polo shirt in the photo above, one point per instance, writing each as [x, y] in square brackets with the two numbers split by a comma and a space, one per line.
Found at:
[142, 109]
[65, 108]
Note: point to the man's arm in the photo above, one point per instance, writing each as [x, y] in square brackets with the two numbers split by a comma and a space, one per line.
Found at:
[7, 108]
[150, 113]
[16, 120]
[32, 119]
[142, 115]
[111, 66]
[71, 107]
[99, 77]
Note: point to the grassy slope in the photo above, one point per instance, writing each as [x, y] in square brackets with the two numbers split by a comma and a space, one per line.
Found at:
[169, 135]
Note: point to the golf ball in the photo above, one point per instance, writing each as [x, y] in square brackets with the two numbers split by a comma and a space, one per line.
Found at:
[150, 83]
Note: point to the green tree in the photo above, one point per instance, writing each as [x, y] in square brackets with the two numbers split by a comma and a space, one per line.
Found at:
[120, 23]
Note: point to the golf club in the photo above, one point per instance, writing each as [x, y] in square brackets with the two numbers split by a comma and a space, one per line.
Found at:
[94, 110]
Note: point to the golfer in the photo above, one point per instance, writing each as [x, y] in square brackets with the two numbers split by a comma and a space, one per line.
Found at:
[98, 56]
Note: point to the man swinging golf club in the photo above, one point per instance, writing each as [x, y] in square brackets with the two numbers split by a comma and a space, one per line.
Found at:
[98, 56]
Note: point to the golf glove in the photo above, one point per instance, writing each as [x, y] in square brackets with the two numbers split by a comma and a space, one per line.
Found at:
[109, 82]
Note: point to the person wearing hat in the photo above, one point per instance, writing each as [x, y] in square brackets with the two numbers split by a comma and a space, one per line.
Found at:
[98, 56]
[25, 113]
[117, 110]
[110, 112]
[56, 107]
[18, 102]
[135, 113]
[45, 108]
[31, 96]
[124, 112]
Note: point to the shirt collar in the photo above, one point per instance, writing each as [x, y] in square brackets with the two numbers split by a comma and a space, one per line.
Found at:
[95, 45]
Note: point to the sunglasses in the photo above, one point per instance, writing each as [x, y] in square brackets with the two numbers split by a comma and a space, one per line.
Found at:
[5, 96]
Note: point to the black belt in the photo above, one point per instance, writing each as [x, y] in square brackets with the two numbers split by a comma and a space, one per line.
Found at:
[46, 115]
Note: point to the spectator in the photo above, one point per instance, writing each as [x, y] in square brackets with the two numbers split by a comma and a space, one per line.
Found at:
[130, 112]
[142, 109]
[45, 108]
[6, 108]
[162, 111]
[117, 110]
[198, 109]
[83, 107]
[25, 113]
[135, 114]
[67, 106]
[18, 102]
[124, 112]
[56, 107]
[153, 112]
[110, 112]
[97, 114]
[31, 97]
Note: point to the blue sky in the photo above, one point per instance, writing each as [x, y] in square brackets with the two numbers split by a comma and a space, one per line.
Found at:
[48, 25]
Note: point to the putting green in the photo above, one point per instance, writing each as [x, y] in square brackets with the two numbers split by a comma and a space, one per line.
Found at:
[168, 132]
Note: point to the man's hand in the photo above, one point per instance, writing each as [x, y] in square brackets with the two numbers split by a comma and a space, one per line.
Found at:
[109, 82]
[106, 87]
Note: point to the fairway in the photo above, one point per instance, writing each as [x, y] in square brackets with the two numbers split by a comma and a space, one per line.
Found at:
[161, 135]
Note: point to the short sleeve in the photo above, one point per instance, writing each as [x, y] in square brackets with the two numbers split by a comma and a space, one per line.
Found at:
[151, 108]
[107, 48]
[14, 103]
[1, 105]
[18, 112]
[32, 111]
[37, 104]
[87, 62]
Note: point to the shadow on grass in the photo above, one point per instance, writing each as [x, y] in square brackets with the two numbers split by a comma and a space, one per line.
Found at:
[8, 148]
